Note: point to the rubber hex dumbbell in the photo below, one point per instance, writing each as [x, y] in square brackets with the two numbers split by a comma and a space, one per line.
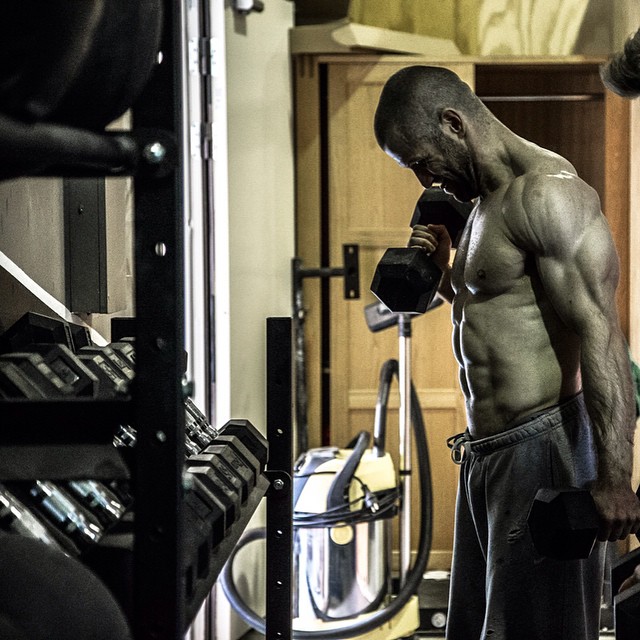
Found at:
[216, 485]
[626, 604]
[233, 442]
[69, 368]
[223, 470]
[626, 612]
[237, 464]
[564, 523]
[99, 499]
[58, 508]
[208, 510]
[111, 382]
[250, 437]
[113, 356]
[406, 279]
[32, 377]
[33, 328]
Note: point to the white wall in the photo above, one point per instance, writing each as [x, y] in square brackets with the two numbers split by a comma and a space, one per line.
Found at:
[261, 192]
[257, 230]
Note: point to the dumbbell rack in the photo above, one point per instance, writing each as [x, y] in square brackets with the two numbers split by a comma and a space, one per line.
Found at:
[66, 439]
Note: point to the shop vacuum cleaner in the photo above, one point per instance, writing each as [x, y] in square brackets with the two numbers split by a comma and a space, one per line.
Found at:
[345, 501]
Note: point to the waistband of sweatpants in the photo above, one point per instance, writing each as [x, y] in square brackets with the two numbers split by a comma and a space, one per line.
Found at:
[530, 427]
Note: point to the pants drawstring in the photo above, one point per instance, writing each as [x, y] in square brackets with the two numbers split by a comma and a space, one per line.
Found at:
[457, 445]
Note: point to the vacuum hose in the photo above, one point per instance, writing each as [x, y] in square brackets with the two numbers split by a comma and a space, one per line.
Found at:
[413, 577]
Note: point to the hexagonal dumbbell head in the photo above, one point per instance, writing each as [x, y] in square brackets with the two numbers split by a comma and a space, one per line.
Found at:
[563, 524]
[406, 280]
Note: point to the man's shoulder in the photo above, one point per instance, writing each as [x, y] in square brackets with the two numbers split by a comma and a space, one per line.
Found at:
[544, 191]
[543, 205]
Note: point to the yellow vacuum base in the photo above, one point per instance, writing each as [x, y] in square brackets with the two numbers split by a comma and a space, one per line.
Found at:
[403, 624]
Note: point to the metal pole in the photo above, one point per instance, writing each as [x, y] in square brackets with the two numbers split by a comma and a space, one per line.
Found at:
[404, 419]
[280, 472]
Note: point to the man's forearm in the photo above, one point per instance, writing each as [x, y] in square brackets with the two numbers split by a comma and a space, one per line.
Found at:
[608, 393]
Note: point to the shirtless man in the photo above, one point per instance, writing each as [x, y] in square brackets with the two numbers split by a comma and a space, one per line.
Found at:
[543, 363]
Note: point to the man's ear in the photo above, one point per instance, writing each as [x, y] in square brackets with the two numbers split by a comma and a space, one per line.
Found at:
[452, 122]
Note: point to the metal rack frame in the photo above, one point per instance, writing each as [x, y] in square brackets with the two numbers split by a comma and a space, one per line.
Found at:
[160, 604]
[50, 430]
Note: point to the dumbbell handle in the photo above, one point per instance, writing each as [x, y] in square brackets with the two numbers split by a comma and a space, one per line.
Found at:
[564, 524]
[637, 534]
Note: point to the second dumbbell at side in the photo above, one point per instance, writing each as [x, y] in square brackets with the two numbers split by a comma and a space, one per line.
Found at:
[564, 523]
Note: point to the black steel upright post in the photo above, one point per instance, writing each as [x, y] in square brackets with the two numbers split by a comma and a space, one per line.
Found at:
[159, 598]
[279, 472]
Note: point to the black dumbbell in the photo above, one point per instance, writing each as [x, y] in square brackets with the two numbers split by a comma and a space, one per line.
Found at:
[111, 382]
[564, 523]
[200, 419]
[223, 470]
[198, 429]
[215, 485]
[205, 527]
[113, 356]
[196, 549]
[15, 384]
[31, 377]
[126, 349]
[103, 503]
[32, 328]
[250, 437]
[234, 442]
[208, 507]
[406, 279]
[16, 517]
[236, 464]
[60, 510]
[626, 613]
[69, 368]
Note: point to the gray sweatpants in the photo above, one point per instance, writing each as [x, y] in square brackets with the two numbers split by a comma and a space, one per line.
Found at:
[501, 588]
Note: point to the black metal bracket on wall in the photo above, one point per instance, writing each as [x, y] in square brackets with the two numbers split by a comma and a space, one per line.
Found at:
[350, 271]
[279, 471]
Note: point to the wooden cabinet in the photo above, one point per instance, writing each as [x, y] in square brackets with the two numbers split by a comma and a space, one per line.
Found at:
[349, 191]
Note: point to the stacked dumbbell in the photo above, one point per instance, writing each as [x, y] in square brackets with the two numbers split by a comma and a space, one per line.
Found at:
[44, 358]
[218, 483]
